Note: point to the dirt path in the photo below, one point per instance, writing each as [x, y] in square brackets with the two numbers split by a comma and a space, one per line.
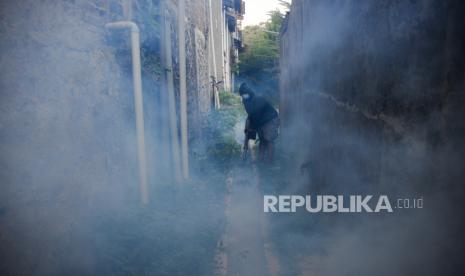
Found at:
[246, 251]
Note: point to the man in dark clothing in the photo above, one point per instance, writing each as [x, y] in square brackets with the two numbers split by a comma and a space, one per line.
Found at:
[262, 119]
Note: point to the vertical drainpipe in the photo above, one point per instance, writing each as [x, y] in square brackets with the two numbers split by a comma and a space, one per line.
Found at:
[138, 101]
[183, 88]
[168, 63]
[212, 42]
[224, 33]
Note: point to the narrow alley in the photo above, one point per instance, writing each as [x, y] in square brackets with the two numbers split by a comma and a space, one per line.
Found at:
[232, 137]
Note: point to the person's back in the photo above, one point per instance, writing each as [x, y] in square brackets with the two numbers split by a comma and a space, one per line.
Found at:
[260, 111]
[262, 118]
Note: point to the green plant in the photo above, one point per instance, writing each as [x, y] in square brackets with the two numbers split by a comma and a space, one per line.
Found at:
[229, 99]
[219, 147]
[259, 62]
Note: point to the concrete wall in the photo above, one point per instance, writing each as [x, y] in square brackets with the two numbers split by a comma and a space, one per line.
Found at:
[198, 52]
[372, 101]
[221, 40]
[216, 39]
[199, 58]
[68, 138]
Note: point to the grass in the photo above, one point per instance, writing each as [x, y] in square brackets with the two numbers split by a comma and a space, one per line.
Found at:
[177, 235]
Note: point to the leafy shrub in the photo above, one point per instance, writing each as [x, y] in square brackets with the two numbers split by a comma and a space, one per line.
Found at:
[229, 99]
[221, 147]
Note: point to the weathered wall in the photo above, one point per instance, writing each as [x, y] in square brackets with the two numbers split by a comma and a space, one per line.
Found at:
[372, 101]
[197, 54]
[197, 66]
[68, 140]
[216, 39]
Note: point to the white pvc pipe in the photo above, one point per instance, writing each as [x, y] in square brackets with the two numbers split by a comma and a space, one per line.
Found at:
[138, 101]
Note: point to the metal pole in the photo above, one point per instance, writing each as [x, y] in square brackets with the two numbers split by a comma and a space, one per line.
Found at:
[171, 101]
[212, 43]
[182, 88]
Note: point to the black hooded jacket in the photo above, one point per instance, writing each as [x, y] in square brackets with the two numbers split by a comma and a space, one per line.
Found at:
[259, 110]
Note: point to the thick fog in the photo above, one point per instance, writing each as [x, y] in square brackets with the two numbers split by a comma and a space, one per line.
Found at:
[363, 113]
[69, 194]
[371, 102]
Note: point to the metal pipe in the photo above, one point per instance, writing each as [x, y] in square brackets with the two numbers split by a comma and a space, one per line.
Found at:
[183, 88]
[212, 44]
[171, 100]
[138, 102]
